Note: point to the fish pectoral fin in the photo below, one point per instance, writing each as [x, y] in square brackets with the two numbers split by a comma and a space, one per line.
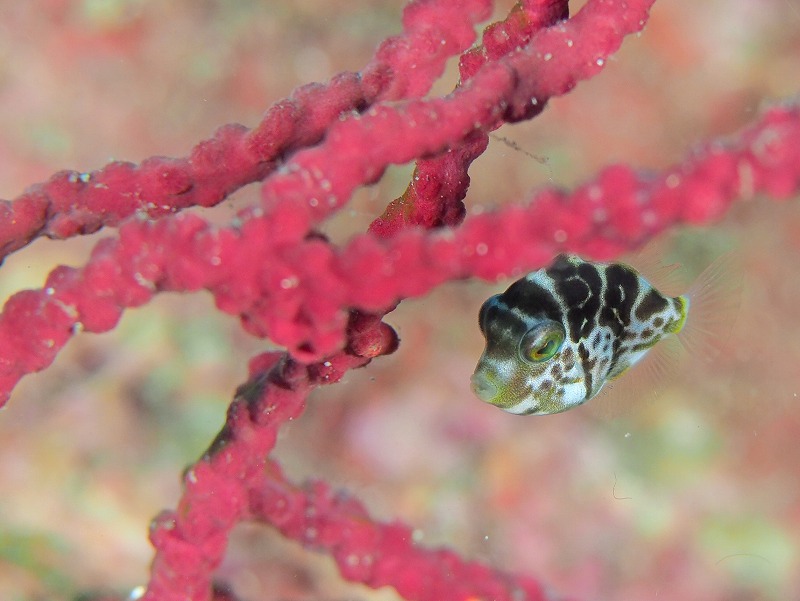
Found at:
[649, 377]
[619, 373]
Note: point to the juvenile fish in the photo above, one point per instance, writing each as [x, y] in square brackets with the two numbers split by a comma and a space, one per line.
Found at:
[558, 335]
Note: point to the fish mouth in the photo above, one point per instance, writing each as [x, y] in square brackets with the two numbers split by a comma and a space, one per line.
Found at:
[489, 390]
[483, 388]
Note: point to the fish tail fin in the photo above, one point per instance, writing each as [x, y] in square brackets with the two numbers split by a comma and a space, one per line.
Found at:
[710, 308]
[708, 314]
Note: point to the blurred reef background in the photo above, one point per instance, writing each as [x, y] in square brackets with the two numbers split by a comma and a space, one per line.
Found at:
[695, 495]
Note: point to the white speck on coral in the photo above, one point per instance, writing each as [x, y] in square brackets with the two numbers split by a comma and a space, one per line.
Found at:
[290, 282]
[560, 236]
[143, 281]
[548, 56]
[673, 180]
[600, 62]
[481, 249]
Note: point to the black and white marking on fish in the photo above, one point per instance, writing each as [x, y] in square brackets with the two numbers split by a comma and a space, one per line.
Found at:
[555, 337]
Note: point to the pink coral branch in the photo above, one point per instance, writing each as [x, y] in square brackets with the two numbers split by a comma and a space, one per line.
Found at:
[183, 254]
[235, 481]
[439, 185]
[379, 554]
[404, 66]
[190, 542]
[319, 180]
[299, 294]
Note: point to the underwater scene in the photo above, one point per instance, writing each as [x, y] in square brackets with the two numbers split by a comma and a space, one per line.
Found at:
[673, 480]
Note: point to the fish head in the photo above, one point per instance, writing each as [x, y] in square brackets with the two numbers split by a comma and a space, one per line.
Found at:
[528, 365]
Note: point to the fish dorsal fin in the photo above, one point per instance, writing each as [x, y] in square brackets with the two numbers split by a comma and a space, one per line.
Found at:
[667, 278]
[714, 300]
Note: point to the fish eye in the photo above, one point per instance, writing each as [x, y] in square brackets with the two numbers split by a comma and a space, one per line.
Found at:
[542, 342]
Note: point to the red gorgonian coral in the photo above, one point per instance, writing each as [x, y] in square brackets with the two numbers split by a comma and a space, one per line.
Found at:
[325, 302]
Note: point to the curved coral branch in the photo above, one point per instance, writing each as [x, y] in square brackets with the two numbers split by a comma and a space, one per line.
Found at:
[319, 180]
[404, 66]
[299, 294]
[293, 293]
[438, 185]
[379, 554]
[234, 480]
[190, 542]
